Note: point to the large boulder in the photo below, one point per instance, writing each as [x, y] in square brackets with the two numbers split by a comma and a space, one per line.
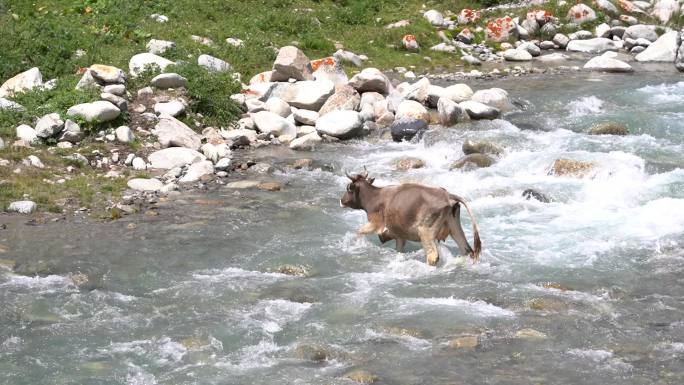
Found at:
[662, 50]
[8, 105]
[171, 132]
[595, 45]
[483, 147]
[278, 106]
[407, 128]
[99, 112]
[305, 117]
[607, 64]
[310, 95]
[27, 134]
[494, 97]
[418, 91]
[412, 110]
[663, 10]
[307, 142]
[344, 98]
[458, 92]
[561, 40]
[213, 63]
[49, 125]
[141, 62]
[450, 112]
[647, 32]
[24, 81]
[291, 63]
[271, 123]
[172, 157]
[581, 13]
[501, 29]
[341, 124]
[370, 80]
[477, 110]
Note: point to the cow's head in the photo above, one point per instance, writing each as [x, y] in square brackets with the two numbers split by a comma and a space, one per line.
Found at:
[351, 197]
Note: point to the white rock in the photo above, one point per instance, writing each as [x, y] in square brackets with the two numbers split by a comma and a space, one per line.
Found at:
[144, 184]
[370, 80]
[271, 123]
[240, 136]
[255, 105]
[158, 47]
[223, 164]
[34, 161]
[306, 117]
[115, 89]
[22, 82]
[139, 164]
[159, 18]
[169, 80]
[49, 125]
[173, 108]
[278, 106]
[663, 10]
[171, 132]
[517, 55]
[450, 112]
[291, 63]
[341, 124]
[607, 7]
[410, 109]
[418, 91]
[595, 45]
[443, 47]
[434, 17]
[8, 105]
[662, 50]
[458, 92]
[494, 97]
[603, 30]
[215, 150]
[100, 111]
[434, 93]
[607, 64]
[213, 64]
[309, 95]
[561, 40]
[349, 57]
[477, 110]
[71, 133]
[129, 159]
[171, 157]
[141, 62]
[581, 13]
[306, 142]
[531, 48]
[554, 57]
[22, 207]
[197, 171]
[641, 30]
[124, 134]
[235, 42]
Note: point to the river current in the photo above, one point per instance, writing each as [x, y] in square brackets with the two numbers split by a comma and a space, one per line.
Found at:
[585, 289]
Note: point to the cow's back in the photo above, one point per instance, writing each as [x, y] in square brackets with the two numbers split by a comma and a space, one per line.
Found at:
[412, 205]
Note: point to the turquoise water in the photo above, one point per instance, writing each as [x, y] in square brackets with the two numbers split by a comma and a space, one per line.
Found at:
[193, 296]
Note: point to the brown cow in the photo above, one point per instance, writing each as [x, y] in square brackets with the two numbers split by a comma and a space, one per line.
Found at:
[411, 212]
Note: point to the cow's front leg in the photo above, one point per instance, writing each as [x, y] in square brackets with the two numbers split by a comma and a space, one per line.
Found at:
[368, 228]
[427, 239]
[400, 244]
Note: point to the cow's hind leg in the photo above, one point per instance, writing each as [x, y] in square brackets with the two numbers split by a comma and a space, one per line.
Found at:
[427, 239]
[456, 231]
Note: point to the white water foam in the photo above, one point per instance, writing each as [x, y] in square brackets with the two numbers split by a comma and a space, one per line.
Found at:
[602, 357]
[411, 342]
[476, 308]
[588, 105]
[162, 351]
[665, 93]
[43, 285]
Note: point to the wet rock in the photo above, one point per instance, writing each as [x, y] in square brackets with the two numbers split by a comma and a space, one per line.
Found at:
[141, 62]
[477, 110]
[494, 97]
[530, 334]
[295, 270]
[344, 98]
[171, 132]
[547, 305]
[473, 160]
[100, 111]
[223, 164]
[172, 157]
[361, 376]
[407, 128]
[679, 63]
[408, 163]
[24, 81]
[572, 168]
[466, 342]
[243, 184]
[370, 80]
[291, 63]
[313, 353]
[307, 142]
[7, 264]
[240, 136]
[482, 147]
[609, 128]
[144, 184]
[197, 171]
[270, 186]
[169, 80]
[534, 194]
[49, 125]
[450, 112]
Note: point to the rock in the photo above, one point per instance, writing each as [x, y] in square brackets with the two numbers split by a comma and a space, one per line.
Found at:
[571, 168]
[141, 62]
[466, 342]
[466, 36]
[531, 48]
[309, 95]
[173, 108]
[169, 80]
[87, 81]
[662, 50]
[637, 50]
[115, 89]
[223, 164]
[361, 376]
[33, 161]
[344, 98]
[270, 123]
[595, 45]
[306, 117]
[291, 63]
[119, 102]
[617, 31]
[349, 57]
[49, 125]
[255, 105]
[546, 45]
[530, 334]
[22, 207]
[99, 112]
[663, 10]
[477, 160]
[370, 80]
[533, 194]
[547, 305]
[407, 128]
[158, 47]
[171, 132]
[261, 78]
[483, 147]
[609, 128]
[124, 134]
[306, 142]
[278, 106]
[548, 30]
[235, 42]
[450, 112]
[410, 109]
[313, 353]
[243, 184]
[434, 17]
[501, 29]
[303, 164]
[72, 132]
[468, 16]
[581, 13]
[434, 93]
[24, 81]
[144, 184]
[517, 55]
[270, 186]
[240, 136]
[197, 170]
[603, 63]
[343, 124]
[331, 69]
[561, 40]
[477, 110]
[8, 105]
[410, 43]
[531, 26]
[640, 30]
[405, 164]
[107, 74]
[679, 63]
[458, 92]
[213, 64]
[138, 164]
[607, 7]
[554, 57]
[443, 47]
[643, 42]
[215, 149]
[494, 97]
[398, 24]
[418, 91]
[159, 18]
[603, 30]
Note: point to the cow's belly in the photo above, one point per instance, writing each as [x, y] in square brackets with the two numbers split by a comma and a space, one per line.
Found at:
[409, 234]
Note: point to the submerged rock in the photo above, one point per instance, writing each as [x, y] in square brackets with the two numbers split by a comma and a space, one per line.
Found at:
[572, 168]
[313, 353]
[530, 334]
[533, 194]
[609, 128]
[408, 163]
[361, 376]
[482, 147]
[407, 128]
[465, 342]
[295, 270]
[477, 160]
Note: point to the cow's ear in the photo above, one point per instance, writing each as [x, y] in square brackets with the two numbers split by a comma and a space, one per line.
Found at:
[371, 180]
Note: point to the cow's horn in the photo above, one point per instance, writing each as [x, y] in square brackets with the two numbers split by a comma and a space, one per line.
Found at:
[348, 176]
[365, 172]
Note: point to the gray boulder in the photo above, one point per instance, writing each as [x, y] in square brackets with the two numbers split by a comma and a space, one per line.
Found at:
[310, 95]
[100, 111]
[291, 63]
[271, 123]
[341, 124]
[595, 45]
[607, 64]
[477, 110]
[450, 112]
[370, 80]
[641, 31]
[158, 47]
[171, 132]
[213, 64]
[171, 157]
[71, 133]
[49, 125]
[169, 80]
[662, 50]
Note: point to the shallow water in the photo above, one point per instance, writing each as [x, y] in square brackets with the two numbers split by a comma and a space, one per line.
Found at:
[192, 296]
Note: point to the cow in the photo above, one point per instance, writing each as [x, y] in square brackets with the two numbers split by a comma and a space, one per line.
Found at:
[411, 212]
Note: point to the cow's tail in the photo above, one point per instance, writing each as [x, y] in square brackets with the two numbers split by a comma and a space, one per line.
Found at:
[477, 244]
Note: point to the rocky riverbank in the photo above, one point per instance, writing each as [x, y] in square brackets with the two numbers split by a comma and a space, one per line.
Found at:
[139, 127]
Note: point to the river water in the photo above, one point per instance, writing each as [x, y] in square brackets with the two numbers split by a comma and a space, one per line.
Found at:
[586, 289]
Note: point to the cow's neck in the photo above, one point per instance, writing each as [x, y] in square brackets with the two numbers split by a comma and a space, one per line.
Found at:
[369, 196]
